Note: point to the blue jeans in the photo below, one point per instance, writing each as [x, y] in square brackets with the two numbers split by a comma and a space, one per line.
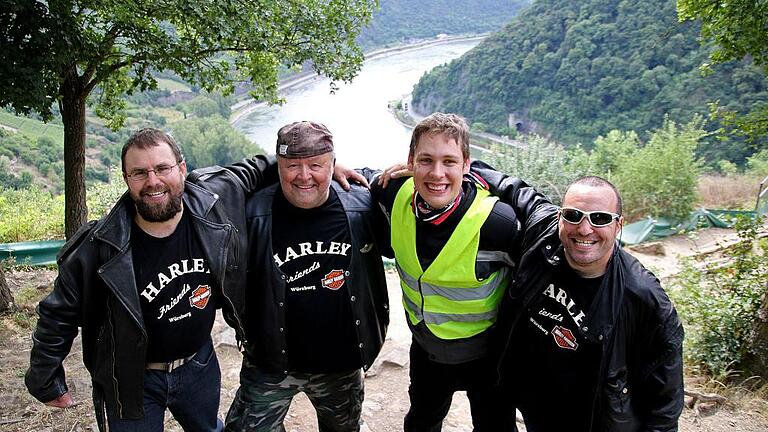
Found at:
[190, 392]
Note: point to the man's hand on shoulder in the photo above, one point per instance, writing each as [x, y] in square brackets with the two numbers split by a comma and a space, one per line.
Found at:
[343, 175]
[395, 171]
[63, 401]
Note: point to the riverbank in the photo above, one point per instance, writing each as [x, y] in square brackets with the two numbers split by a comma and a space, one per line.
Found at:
[246, 107]
[403, 111]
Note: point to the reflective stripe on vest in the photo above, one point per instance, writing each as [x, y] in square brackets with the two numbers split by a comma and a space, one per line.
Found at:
[447, 296]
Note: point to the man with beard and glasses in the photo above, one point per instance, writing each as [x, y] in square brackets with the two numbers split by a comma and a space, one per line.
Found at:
[143, 283]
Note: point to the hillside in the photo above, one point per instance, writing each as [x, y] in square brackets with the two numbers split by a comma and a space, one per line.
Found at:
[576, 70]
[400, 21]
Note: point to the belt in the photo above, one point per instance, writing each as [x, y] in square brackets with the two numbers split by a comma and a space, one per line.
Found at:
[168, 367]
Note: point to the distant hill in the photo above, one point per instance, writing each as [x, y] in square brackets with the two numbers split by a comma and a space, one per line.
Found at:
[574, 70]
[399, 21]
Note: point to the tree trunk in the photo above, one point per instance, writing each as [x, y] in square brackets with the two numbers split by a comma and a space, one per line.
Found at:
[6, 298]
[755, 360]
[73, 116]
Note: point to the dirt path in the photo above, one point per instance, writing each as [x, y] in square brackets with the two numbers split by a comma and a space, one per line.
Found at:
[386, 391]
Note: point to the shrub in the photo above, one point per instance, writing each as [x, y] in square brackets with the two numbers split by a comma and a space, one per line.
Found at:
[34, 214]
[543, 164]
[30, 214]
[719, 305]
[660, 179]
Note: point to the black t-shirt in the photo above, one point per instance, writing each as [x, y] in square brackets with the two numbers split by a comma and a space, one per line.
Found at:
[313, 249]
[557, 366]
[175, 291]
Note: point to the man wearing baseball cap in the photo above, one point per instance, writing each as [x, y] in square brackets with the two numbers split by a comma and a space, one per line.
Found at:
[316, 299]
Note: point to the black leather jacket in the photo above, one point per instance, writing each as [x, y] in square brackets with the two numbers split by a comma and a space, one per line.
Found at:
[366, 281]
[640, 382]
[96, 291]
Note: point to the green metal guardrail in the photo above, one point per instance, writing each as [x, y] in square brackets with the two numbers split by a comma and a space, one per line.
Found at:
[34, 253]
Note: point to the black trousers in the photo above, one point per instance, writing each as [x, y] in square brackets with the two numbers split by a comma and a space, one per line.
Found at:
[432, 387]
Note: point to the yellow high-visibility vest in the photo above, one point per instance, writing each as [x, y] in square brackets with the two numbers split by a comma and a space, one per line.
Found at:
[447, 296]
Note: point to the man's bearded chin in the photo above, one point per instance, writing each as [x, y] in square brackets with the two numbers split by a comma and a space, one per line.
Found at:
[159, 213]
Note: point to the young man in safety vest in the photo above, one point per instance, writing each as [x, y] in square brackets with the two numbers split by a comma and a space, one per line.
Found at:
[454, 246]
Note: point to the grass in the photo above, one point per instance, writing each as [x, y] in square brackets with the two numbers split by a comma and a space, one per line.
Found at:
[171, 115]
[31, 127]
[736, 191]
[172, 86]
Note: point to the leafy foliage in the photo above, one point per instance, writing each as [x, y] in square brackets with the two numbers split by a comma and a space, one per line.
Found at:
[30, 214]
[543, 164]
[718, 304]
[63, 50]
[34, 214]
[577, 70]
[397, 21]
[211, 141]
[660, 178]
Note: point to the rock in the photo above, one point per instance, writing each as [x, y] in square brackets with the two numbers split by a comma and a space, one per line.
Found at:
[653, 248]
[225, 337]
[370, 408]
[395, 355]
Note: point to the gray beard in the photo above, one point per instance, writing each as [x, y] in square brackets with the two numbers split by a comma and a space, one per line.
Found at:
[152, 213]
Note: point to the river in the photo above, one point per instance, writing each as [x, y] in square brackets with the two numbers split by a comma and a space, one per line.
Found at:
[365, 133]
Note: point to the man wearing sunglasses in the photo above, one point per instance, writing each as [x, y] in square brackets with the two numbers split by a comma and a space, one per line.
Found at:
[591, 341]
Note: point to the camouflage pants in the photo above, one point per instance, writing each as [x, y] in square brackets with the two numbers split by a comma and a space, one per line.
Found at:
[263, 399]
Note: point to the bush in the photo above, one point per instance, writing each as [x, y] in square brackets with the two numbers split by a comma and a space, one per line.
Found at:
[719, 305]
[543, 164]
[30, 214]
[211, 141]
[660, 179]
[757, 164]
[34, 214]
[102, 196]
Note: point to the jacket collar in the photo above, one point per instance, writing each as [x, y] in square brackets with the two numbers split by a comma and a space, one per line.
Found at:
[115, 228]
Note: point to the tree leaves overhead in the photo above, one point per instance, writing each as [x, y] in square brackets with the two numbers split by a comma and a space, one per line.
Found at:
[739, 29]
[577, 70]
[111, 41]
[61, 50]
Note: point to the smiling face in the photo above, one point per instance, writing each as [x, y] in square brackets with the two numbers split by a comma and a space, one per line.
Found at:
[306, 182]
[157, 199]
[587, 248]
[438, 166]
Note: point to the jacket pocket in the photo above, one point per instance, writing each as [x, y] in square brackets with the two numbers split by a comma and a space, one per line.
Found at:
[618, 415]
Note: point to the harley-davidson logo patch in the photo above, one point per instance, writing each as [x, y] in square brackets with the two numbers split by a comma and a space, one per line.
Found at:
[564, 338]
[200, 296]
[334, 279]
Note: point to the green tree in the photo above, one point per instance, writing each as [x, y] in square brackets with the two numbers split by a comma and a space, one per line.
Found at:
[613, 148]
[211, 141]
[660, 179]
[65, 50]
[738, 30]
[202, 106]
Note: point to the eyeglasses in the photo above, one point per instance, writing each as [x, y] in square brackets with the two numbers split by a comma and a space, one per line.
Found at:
[595, 218]
[143, 174]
